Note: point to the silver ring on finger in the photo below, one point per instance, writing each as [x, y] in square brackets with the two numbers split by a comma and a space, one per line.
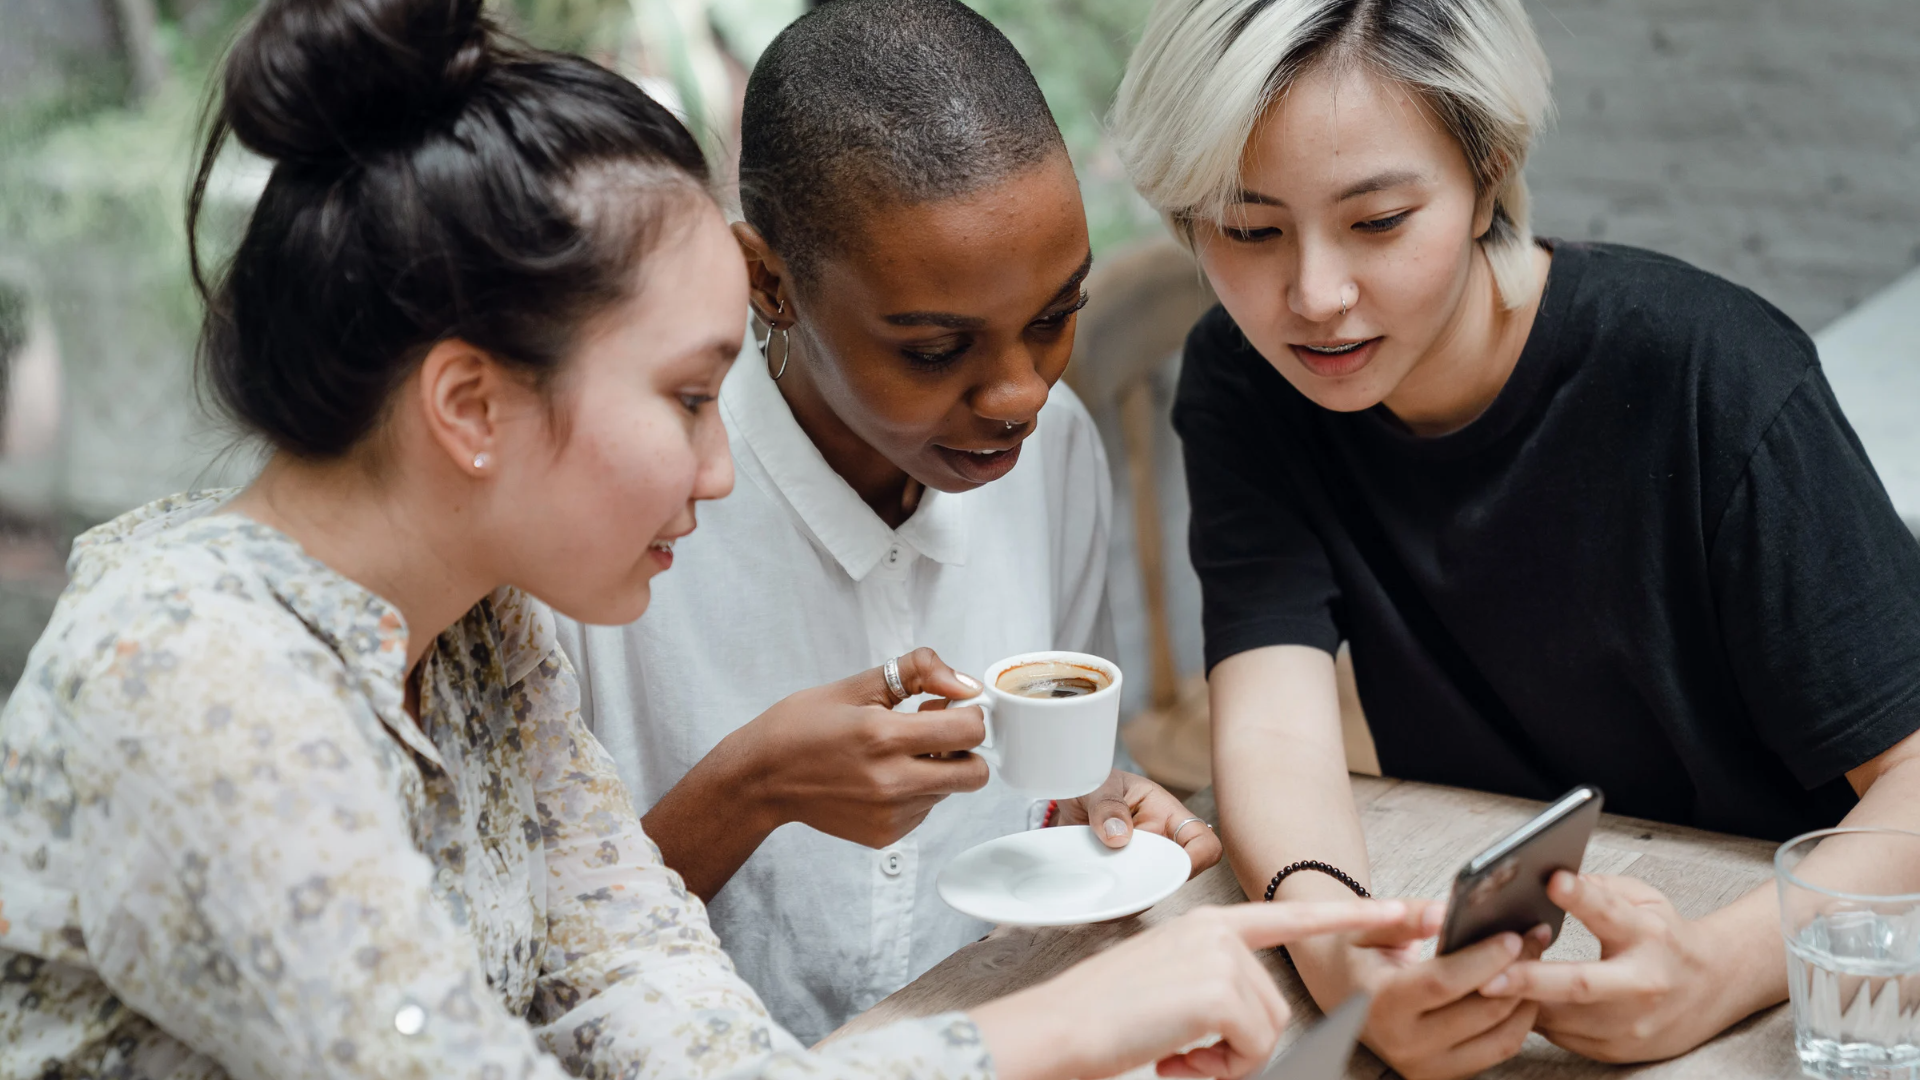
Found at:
[891, 669]
[1175, 834]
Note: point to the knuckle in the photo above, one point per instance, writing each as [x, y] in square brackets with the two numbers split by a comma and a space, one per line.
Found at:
[920, 661]
[875, 731]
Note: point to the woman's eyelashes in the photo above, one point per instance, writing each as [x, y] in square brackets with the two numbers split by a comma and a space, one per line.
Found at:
[1247, 235]
[1383, 224]
[693, 403]
[1054, 320]
[937, 359]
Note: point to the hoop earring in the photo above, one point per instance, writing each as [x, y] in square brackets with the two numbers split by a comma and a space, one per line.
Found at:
[786, 345]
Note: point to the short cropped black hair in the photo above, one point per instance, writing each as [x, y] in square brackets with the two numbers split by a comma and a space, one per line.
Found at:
[865, 102]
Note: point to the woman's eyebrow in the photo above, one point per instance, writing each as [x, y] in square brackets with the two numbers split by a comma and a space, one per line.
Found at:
[1381, 182]
[944, 319]
[1377, 182]
[947, 320]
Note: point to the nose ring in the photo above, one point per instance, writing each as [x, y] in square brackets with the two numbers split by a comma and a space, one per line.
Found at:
[1011, 425]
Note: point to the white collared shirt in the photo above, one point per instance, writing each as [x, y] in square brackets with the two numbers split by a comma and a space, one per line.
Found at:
[791, 582]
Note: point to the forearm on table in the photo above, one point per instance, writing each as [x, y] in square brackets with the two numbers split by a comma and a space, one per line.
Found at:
[1280, 776]
[709, 823]
[1747, 931]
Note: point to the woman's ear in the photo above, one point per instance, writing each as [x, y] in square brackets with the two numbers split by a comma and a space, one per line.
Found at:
[767, 287]
[462, 401]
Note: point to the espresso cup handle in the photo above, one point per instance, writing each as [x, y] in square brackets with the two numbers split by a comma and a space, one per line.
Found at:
[986, 749]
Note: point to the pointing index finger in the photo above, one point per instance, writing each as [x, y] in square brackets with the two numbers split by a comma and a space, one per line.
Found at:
[1263, 926]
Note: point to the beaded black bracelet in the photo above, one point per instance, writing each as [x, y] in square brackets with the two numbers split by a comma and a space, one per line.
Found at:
[1328, 869]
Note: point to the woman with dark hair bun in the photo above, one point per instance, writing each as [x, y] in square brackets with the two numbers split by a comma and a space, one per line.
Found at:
[296, 781]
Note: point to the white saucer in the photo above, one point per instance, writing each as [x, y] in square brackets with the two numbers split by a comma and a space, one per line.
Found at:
[1062, 876]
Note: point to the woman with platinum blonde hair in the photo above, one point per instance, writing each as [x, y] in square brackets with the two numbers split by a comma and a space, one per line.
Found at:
[1586, 514]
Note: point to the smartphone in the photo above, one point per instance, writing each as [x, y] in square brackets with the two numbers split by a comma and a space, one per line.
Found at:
[1505, 887]
[1323, 1052]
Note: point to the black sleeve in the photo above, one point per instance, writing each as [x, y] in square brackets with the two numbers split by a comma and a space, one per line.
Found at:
[1817, 582]
[1264, 574]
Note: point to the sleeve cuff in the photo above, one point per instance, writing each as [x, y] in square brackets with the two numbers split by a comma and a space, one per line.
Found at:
[1229, 641]
[1844, 751]
[944, 1047]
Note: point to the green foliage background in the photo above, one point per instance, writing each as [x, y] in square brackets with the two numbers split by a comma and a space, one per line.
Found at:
[92, 192]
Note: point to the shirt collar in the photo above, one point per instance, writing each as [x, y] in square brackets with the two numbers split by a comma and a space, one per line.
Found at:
[829, 508]
[367, 633]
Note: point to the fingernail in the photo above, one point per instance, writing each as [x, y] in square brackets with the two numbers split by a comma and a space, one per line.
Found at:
[1393, 909]
[1512, 943]
[968, 681]
[1495, 985]
[1115, 828]
[1434, 916]
[1542, 933]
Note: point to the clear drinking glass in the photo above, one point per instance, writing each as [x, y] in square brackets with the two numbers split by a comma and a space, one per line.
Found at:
[1850, 912]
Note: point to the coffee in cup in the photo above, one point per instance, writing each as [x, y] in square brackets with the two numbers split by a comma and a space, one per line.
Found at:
[1050, 720]
[1052, 679]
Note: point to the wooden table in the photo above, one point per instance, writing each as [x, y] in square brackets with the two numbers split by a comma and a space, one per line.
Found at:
[1418, 836]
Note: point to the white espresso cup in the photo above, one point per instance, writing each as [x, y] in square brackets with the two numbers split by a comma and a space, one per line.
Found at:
[1050, 748]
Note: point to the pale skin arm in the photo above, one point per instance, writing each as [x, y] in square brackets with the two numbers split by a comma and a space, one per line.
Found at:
[1666, 984]
[1280, 775]
[1187, 979]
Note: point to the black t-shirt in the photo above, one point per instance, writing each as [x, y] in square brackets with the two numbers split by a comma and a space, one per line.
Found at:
[1659, 562]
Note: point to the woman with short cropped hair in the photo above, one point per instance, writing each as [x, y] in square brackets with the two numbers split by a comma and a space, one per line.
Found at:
[915, 478]
[1585, 514]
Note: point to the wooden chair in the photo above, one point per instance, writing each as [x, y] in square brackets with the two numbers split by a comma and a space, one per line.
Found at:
[1143, 299]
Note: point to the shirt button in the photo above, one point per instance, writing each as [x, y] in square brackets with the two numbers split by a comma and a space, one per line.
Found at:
[410, 1020]
[893, 556]
[891, 863]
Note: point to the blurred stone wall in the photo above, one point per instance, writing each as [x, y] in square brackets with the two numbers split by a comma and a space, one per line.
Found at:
[1775, 142]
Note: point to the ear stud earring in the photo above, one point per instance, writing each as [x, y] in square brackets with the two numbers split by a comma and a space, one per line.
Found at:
[481, 460]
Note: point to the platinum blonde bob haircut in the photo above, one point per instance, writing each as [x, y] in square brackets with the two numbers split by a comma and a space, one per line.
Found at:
[1206, 71]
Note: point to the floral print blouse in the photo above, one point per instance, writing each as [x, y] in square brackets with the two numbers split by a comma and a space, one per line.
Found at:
[226, 849]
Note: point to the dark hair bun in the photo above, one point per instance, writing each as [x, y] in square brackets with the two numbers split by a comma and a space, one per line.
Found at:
[433, 180]
[321, 80]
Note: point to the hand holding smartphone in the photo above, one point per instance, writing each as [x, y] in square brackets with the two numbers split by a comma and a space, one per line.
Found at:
[1504, 888]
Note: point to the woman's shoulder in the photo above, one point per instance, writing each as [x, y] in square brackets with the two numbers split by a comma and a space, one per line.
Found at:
[180, 588]
[1645, 300]
[1657, 323]
[1223, 376]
